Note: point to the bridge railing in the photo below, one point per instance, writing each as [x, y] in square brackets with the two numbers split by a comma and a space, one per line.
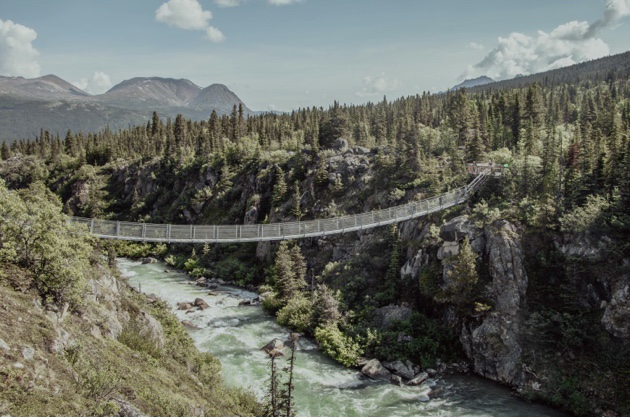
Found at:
[276, 231]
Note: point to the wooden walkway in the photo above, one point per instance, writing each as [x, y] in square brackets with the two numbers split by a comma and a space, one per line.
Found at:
[170, 233]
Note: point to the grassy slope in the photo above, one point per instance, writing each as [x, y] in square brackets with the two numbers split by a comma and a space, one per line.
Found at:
[95, 374]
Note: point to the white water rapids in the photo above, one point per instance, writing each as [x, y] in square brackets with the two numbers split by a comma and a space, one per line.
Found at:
[235, 334]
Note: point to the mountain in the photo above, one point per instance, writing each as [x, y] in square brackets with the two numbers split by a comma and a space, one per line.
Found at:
[216, 96]
[48, 87]
[474, 82]
[50, 103]
[161, 92]
[607, 68]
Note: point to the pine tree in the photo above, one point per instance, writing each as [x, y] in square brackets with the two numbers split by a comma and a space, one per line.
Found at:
[280, 188]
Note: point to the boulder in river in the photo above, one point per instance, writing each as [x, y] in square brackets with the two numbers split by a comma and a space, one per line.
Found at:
[189, 324]
[418, 379]
[375, 370]
[274, 348]
[201, 303]
[396, 380]
[184, 306]
[400, 368]
[149, 260]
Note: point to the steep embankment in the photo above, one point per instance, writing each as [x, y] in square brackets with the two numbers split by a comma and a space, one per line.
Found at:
[75, 339]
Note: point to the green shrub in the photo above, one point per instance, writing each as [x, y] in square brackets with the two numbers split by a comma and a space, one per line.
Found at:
[342, 348]
[297, 314]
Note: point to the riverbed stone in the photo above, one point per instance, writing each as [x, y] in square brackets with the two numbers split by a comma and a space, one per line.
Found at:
[418, 379]
[399, 368]
[396, 380]
[184, 306]
[375, 370]
[201, 303]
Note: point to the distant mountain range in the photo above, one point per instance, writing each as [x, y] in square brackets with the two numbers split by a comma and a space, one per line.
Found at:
[483, 80]
[48, 102]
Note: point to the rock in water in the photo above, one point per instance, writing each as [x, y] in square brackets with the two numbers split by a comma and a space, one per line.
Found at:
[418, 379]
[375, 370]
[201, 304]
[401, 369]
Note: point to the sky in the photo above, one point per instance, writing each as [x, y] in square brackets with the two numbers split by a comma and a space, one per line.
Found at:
[286, 54]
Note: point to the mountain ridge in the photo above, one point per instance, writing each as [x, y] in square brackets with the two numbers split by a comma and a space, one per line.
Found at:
[51, 103]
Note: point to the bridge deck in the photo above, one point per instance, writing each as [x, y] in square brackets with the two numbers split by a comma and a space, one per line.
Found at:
[147, 232]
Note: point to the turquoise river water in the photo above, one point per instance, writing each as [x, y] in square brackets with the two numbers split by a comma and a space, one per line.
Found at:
[323, 388]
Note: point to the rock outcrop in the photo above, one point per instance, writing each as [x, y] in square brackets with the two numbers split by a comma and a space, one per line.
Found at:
[493, 344]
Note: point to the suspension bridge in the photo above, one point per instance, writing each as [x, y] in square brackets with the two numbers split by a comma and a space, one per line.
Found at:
[172, 233]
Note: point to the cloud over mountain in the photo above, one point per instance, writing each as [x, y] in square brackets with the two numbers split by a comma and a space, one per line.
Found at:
[97, 84]
[567, 44]
[18, 56]
[189, 15]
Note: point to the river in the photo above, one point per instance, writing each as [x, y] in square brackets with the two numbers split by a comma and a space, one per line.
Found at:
[322, 387]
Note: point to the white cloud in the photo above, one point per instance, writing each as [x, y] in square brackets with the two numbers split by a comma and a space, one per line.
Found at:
[568, 44]
[377, 85]
[283, 2]
[214, 34]
[18, 57]
[476, 45]
[97, 84]
[228, 3]
[183, 14]
[188, 14]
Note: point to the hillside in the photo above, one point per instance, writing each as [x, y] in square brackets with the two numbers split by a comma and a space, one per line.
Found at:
[76, 339]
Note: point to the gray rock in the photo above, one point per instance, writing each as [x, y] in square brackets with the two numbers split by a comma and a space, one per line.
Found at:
[375, 370]
[251, 217]
[506, 265]
[184, 306]
[418, 379]
[384, 317]
[18, 365]
[61, 341]
[616, 318]
[494, 349]
[448, 249]
[340, 145]
[414, 266]
[424, 398]
[126, 409]
[4, 345]
[360, 150]
[400, 368]
[149, 260]
[396, 380]
[151, 329]
[456, 229]
[28, 353]
[201, 304]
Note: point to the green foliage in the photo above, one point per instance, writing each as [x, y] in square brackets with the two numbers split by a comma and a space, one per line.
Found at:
[297, 314]
[234, 270]
[342, 348]
[419, 339]
[461, 277]
[34, 234]
[587, 217]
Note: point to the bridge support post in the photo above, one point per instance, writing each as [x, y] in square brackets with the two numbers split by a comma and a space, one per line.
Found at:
[91, 226]
[144, 231]
[117, 229]
[168, 232]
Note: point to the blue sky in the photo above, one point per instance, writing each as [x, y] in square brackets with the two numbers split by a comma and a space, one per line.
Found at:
[284, 54]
